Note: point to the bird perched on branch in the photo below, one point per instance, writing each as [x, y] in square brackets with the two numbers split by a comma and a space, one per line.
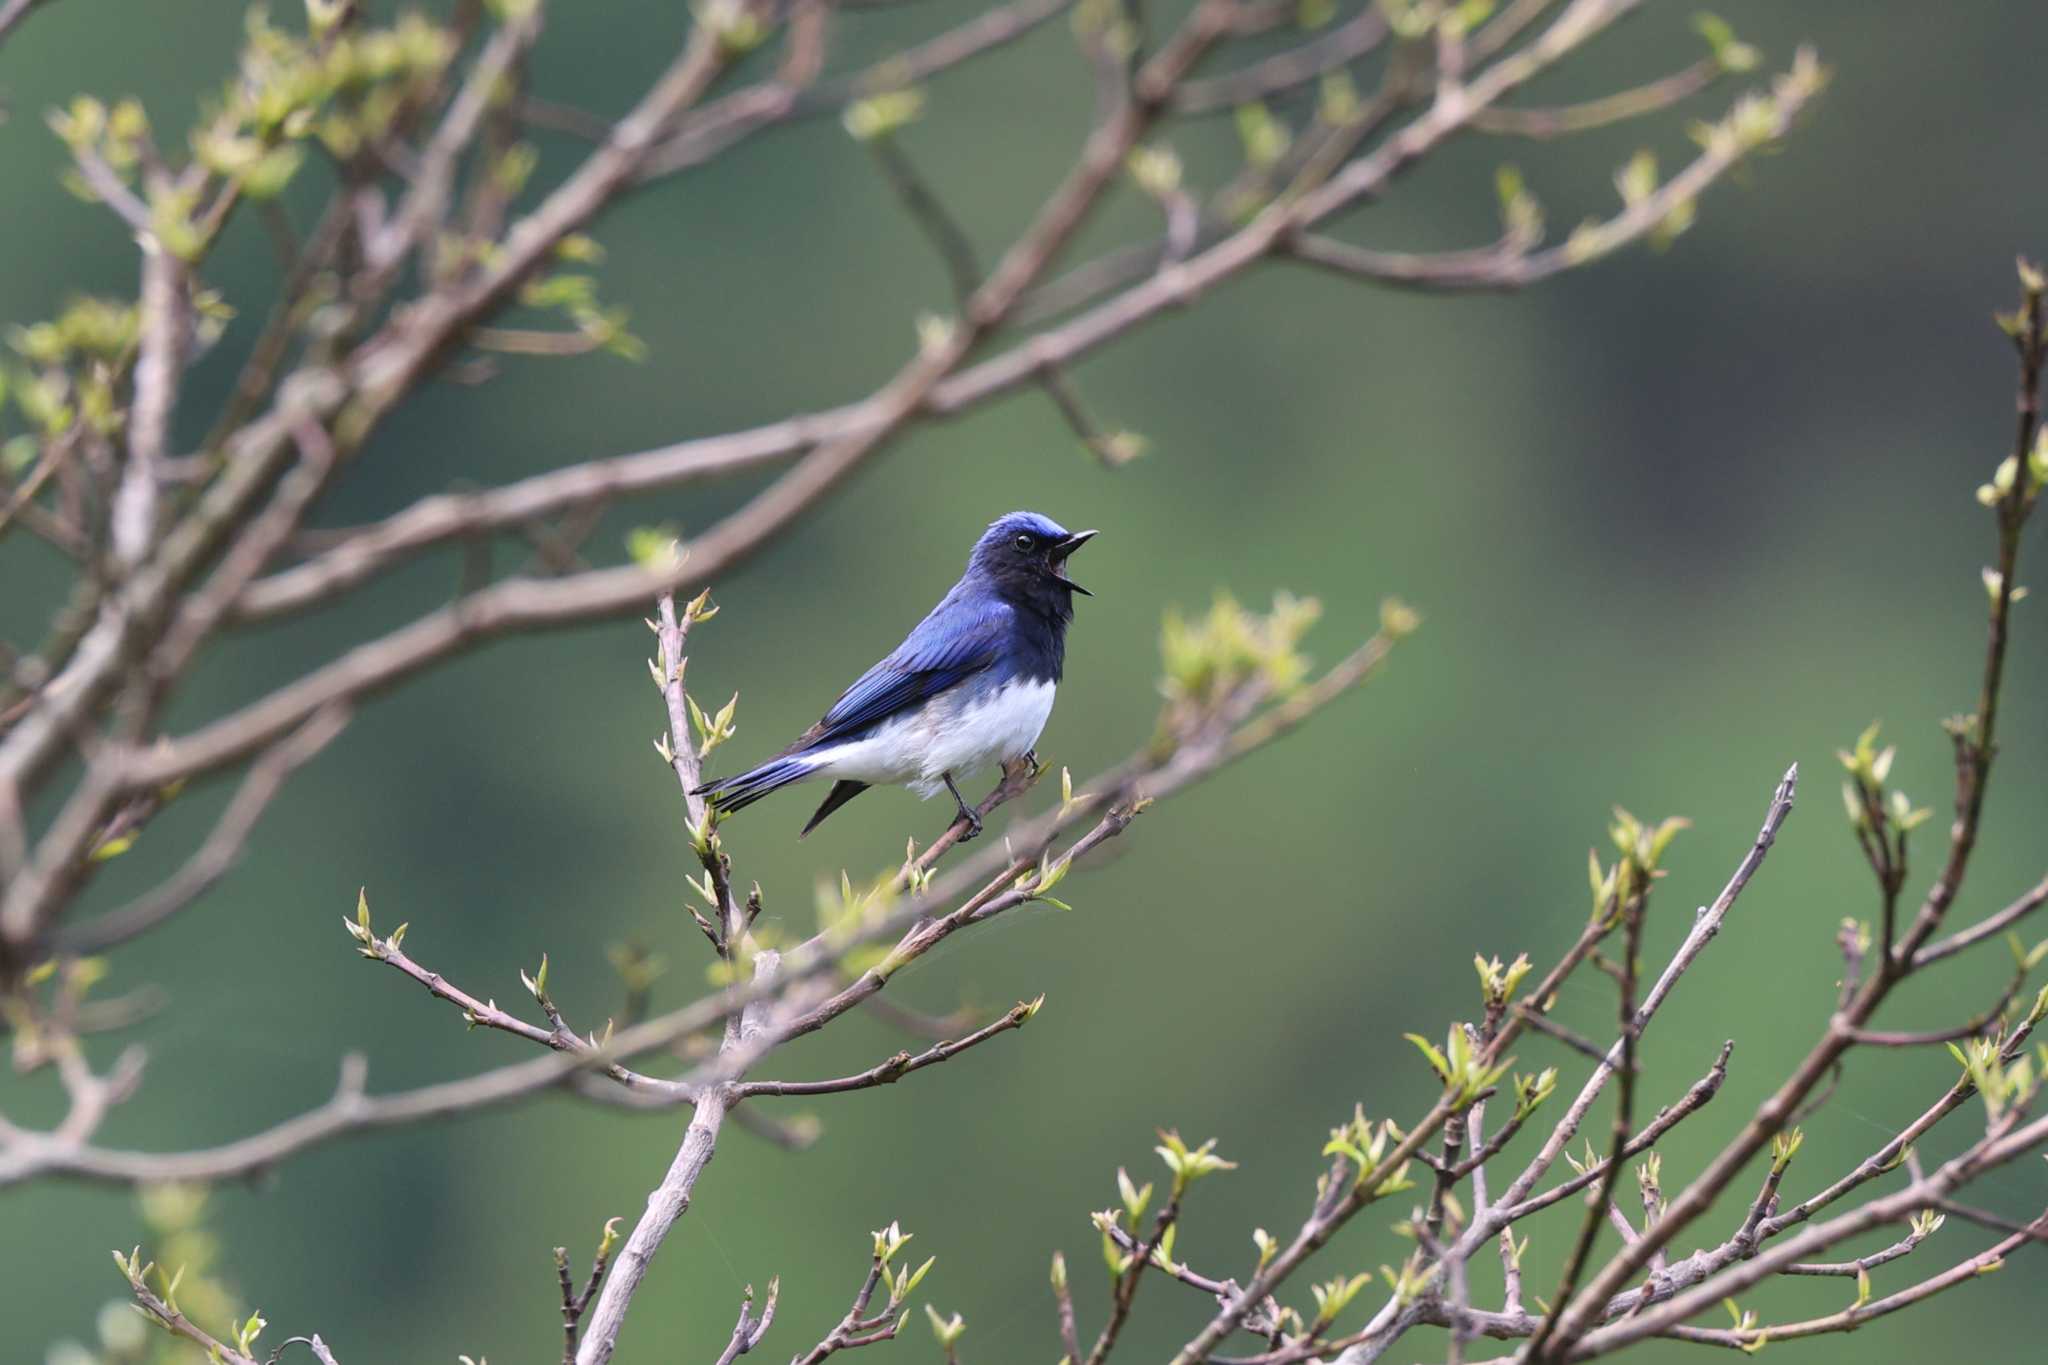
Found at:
[971, 685]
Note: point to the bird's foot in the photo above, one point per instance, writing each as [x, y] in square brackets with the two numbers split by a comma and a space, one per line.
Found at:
[1018, 776]
[967, 815]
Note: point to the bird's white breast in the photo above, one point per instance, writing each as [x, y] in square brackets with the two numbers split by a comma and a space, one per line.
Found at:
[992, 728]
[956, 733]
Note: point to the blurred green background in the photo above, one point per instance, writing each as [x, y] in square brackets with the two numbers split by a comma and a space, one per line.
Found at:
[1674, 522]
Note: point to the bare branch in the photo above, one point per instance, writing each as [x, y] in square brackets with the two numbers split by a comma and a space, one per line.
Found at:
[1851, 1269]
[664, 1206]
[940, 228]
[1624, 1111]
[897, 1067]
[558, 1036]
[1063, 1298]
[160, 1312]
[574, 1303]
[721, 124]
[1989, 927]
[364, 552]
[1628, 104]
[858, 425]
[13, 12]
[1544, 1024]
[1973, 766]
[400, 281]
[1889, 1156]
[1289, 70]
[21, 498]
[112, 190]
[1125, 1290]
[858, 1328]
[510, 607]
[1511, 265]
[2013, 1142]
[1324, 1222]
[748, 1331]
[1703, 1090]
[211, 861]
[203, 611]
[420, 214]
[132, 518]
[25, 1156]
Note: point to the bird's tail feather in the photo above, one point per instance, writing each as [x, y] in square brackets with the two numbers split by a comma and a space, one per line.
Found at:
[743, 790]
[842, 792]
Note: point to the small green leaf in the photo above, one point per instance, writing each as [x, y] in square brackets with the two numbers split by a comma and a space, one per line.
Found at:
[1436, 1059]
[109, 849]
[1135, 1199]
[884, 114]
[947, 1330]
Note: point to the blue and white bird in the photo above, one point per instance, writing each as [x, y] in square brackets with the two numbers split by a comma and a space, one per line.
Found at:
[972, 685]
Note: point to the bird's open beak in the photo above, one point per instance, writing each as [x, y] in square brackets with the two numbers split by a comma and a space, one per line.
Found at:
[1058, 559]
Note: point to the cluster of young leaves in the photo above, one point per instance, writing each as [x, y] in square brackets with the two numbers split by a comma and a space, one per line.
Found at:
[1642, 849]
[897, 1281]
[883, 114]
[25, 1005]
[1865, 797]
[2003, 1083]
[1752, 126]
[1185, 1165]
[335, 84]
[185, 1277]
[1209, 657]
[1458, 1065]
[2000, 486]
[367, 942]
[1362, 1143]
[67, 368]
[573, 294]
[1753, 123]
[342, 86]
[845, 909]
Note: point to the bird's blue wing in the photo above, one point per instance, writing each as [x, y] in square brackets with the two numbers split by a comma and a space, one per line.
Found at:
[951, 645]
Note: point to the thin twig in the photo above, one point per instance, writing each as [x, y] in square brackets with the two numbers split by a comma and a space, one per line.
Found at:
[748, 1331]
[1973, 757]
[1598, 113]
[1988, 927]
[26, 1156]
[211, 861]
[1289, 70]
[896, 1067]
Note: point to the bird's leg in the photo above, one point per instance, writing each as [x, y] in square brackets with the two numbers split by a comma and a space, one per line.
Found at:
[966, 811]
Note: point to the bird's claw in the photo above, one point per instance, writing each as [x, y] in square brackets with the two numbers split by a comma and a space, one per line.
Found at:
[967, 815]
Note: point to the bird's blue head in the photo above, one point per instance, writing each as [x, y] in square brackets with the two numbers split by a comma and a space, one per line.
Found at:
[1023, 557]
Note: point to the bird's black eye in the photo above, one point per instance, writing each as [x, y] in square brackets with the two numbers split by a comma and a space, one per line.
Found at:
[1023, 542]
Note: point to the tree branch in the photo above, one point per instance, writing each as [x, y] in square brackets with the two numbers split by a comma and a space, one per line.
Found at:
[211, 861]
[896, 1067]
